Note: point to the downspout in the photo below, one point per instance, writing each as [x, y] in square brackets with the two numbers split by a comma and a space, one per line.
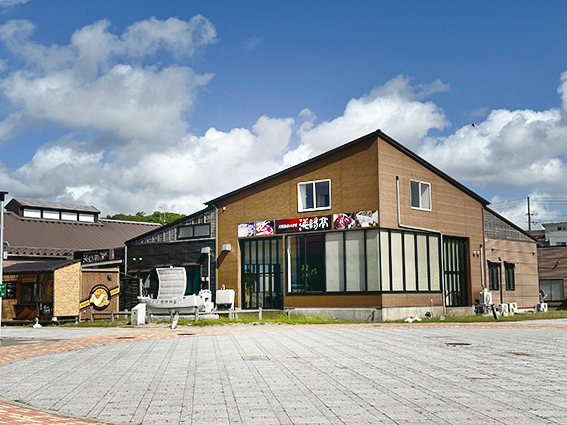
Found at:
[216, 249]
[442, 253]
[482, 282]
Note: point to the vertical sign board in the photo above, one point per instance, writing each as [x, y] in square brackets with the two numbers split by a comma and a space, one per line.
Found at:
[2, 290]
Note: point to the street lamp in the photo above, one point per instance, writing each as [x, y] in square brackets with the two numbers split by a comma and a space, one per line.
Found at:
[2, 198]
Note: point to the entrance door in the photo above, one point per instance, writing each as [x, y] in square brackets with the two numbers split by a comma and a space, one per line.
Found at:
[456, 274]
[262, 273]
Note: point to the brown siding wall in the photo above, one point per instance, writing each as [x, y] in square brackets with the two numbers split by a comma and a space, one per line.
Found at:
[453, 212]
[353, 174]
[66, 287]
[552, 264]
[526, 271]
[363, 177]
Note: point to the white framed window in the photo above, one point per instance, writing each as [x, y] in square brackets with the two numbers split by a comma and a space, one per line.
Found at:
[29, 213]
[313, 196]
[69, 216]
[52, 215]
[89, 218]
[420, 193]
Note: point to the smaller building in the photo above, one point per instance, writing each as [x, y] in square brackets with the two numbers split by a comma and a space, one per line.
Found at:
[555, 233]
[57, 290]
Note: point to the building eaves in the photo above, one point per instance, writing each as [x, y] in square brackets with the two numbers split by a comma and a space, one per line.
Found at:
[55, 206]
[375, 134]
[41, 266]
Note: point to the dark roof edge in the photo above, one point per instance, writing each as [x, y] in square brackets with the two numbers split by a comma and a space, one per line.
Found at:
[515, 226]
[376, 133]
[173, 223]
[295, 167]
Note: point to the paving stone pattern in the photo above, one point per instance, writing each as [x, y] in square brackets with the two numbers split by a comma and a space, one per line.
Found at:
[312, 375]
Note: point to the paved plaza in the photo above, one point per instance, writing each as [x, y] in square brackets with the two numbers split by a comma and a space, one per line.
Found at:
[270, 374]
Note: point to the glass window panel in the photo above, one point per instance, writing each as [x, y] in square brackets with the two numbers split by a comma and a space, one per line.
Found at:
[355, 272]
[294, 267]
[52, 215]
[493, 276]
[246, 247]
[510, 278]
[422, 274]
[323, 191]
[334, 258]
[434, 263]
[414, 186]
[253, 252]
[32, 213]
[397, 262]
[409, 256]
[385, 260]
[69, 216]
[557, 290]
[306, 196]
[373, 260]
[425, 196]
[88, 218]
[202, 230]
[313, 269]
[260, 243]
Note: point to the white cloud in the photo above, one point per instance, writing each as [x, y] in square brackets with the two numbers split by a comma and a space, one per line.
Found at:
[9, 3]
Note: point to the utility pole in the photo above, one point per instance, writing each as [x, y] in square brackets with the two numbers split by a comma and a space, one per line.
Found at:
[529, 218]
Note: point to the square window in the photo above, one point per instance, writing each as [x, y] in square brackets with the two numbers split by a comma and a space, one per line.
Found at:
[313, 196]
[420, 195]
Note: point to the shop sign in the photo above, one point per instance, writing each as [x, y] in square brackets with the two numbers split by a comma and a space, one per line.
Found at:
[94, 256]
[341, 221]
[2, 290]
[303, 224]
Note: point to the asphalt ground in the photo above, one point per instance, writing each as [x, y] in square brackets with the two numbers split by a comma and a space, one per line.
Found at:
[495, 373]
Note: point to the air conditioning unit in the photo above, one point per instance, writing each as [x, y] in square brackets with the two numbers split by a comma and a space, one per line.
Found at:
[542, 307]
[513, 307]
[504, 308]
[485, 297]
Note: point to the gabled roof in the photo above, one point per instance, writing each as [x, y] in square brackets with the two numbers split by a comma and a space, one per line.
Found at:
[48, 238]
[40, 266]
[374, 135]
[25, 203]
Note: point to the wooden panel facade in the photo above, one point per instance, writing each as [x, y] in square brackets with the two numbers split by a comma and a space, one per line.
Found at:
[522, 255]
[364, 176]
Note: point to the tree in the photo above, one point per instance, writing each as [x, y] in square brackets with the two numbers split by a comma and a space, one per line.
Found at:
[156, 217]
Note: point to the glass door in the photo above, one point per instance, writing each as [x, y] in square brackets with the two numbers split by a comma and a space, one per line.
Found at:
[262, 273]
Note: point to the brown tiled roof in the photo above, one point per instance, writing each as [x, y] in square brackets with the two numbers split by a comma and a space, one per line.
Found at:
[52, 238]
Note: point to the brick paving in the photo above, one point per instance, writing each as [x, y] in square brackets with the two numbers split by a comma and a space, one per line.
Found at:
[286, 379]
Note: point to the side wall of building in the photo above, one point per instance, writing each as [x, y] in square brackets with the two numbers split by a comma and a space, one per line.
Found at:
[522, 255]
[66, 290]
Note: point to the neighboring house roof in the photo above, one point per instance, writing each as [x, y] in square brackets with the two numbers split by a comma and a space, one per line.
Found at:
[498, 227]
[376, 134]
[54, 206]
[41, 266]
[50, 238]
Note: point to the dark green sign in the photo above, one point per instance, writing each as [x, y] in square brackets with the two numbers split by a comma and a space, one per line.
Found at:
[2, 290]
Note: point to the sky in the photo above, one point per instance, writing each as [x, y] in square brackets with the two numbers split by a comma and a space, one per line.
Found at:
[139, 105]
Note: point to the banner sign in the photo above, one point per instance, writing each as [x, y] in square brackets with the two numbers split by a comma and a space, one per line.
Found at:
[341, 221]
[303, 224]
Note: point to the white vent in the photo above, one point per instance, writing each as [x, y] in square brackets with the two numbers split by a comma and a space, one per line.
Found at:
[485, 297]
[513, 307]
[504, 308]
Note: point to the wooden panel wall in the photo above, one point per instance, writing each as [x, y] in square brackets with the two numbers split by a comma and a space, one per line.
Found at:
[453, 212]
[93, 277]
[526, 271]
[66, 286]
[353, 174]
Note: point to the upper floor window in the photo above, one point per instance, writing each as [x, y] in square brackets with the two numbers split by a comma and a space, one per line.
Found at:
[420, 195]
[315, 195]
[194, 231]
[29, 213]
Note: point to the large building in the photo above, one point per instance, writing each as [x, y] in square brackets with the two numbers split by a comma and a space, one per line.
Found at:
[370, 229]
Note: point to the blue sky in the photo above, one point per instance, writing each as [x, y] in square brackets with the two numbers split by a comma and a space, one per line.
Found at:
[139, 105]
